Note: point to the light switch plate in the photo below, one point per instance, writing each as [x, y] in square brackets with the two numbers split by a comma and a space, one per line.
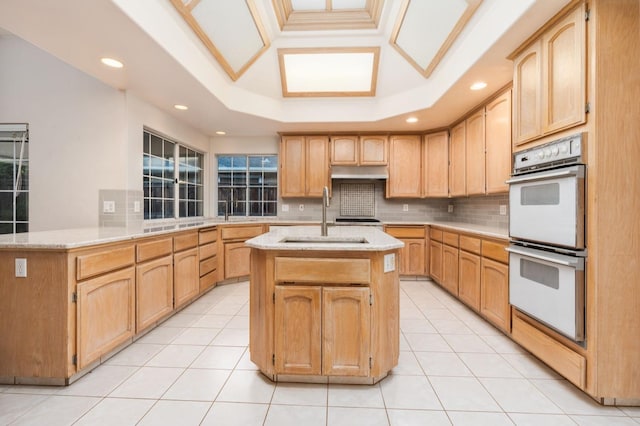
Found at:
[108, 207]
[389, 262]
[285, 207]
[136, 206]
[503, 209]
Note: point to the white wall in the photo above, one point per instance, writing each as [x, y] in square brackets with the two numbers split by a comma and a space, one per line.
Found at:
[83, 135]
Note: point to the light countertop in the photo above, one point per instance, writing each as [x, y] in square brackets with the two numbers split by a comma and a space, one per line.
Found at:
[339, 238]
[84, 237]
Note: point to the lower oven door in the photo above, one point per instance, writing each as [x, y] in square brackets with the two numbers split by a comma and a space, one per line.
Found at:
[548, 207]
[549, 287]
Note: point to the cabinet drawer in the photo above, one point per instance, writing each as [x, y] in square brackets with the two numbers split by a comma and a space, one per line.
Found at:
[470, 244]
[185, 241]
[565, 361]
[208, 236]
[238, 233]
[208, 265]
[406, 231]
[450, 239]
[495, 250]
[153, 249]
[98, 263]
[208, 250]
[208, 280]
[435, 234]
[322, 271]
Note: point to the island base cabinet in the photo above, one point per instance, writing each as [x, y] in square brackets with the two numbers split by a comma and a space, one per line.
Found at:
[106, 314]
[345, 331]
[322, 330]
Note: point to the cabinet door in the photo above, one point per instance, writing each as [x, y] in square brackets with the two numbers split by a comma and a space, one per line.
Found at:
[457, 176]
[374, 151]
[435, 261]
[404, 165]
[494, 293]
[450, 269]
[527, 83]
[469, 279]
[563, 76]
[414, 258]
[154, 291]
[317, 174]
[344, 150]
[436, 165]
[345, 331]
[298, 316]
[475, 154]
[186, 276]
[498, 143]
[237, 260]
[106, 314]
[292, 166]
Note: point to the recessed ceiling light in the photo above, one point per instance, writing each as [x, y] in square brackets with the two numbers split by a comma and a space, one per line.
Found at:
[220, 132]
[412, 120]
[181, 107]
[478, 85]
[110, 62]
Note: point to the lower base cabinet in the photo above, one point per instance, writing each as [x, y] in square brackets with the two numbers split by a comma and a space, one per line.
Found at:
[450, 269]
[435, 261]
[154, 291]
[186, 276]
[322, 330]
[469, 279]
[494, 293]
[105, 315]
[236, 260]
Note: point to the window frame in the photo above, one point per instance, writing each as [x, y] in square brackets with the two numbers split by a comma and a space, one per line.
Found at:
[176, 188]
[19, 164]
[267, 187]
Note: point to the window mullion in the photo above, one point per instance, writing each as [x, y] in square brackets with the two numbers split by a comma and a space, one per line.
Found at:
[176, 181]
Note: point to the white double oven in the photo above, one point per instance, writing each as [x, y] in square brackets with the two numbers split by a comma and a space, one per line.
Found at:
[547, 254]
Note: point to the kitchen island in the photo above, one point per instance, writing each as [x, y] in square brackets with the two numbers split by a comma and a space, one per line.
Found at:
[324, 308]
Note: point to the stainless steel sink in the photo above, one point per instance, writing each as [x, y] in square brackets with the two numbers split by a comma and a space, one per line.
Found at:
[324, 239]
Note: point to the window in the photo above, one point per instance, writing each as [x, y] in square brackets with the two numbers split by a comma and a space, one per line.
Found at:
[14, 178]
[171, 190]
[248, 185]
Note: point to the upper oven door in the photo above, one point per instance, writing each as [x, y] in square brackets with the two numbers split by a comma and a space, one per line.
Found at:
[548, 207]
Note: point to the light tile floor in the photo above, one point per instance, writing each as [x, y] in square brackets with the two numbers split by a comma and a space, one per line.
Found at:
[194, 369]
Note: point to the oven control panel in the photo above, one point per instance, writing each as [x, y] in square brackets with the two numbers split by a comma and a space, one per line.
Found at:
[562, 151]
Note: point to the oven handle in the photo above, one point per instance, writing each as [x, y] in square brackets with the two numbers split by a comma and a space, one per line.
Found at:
[536, 254]
[569, 171]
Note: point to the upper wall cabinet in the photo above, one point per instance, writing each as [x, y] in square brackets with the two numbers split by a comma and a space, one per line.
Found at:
[498, 143]
[475, 163]
[435, 171]
[405, 163]
[549, 81]
[457, 159]
[359, 150]
[304, 165]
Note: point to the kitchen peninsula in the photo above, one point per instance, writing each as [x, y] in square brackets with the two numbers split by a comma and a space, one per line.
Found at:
[324, 308]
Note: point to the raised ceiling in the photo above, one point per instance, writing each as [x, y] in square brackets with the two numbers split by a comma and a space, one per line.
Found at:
[167, 62]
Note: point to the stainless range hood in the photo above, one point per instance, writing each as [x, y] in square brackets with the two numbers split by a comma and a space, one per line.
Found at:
[359, 172]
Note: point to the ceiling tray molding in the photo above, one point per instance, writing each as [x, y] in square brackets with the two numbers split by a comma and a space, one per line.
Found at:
[426, 29]
[213, 21]
[328, 19]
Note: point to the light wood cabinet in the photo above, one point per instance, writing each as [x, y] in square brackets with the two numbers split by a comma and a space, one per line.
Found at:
[105, 314]
[304, 166]
[207, 253]
[405, 165]
[236, 257]
[469, 279]
[186, 284]
[436, 165]
[412, 257]
[475, 156]
[498, 143]
[550, 80]
[457, 156]
[154, 291]
[435, 260]
[374, 150]
[494, 293]
[450, 268]
[345, 150]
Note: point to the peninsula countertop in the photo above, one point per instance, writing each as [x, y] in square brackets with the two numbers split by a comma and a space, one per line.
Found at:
[339, 238]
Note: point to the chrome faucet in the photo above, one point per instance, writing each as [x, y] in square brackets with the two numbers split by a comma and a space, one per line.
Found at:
[325, 204]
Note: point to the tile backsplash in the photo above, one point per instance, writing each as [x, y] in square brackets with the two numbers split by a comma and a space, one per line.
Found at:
[480, 210]
[124, 203]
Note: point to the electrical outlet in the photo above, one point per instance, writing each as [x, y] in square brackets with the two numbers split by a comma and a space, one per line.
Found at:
[108, 207]
[136, 206]
[21, 268]
[405, 207]
[450, 208]
[503, 209]
[301, 207]
[285, 207]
